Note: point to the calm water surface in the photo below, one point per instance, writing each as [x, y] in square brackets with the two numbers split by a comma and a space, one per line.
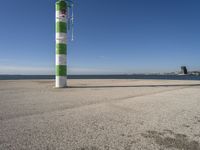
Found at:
[161, 77]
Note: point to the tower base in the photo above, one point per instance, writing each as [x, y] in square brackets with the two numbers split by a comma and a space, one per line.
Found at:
[61, 82]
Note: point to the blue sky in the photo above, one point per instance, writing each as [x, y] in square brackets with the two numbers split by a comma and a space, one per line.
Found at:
[111, 36]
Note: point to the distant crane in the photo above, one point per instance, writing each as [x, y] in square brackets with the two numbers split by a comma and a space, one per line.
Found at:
[64, 23]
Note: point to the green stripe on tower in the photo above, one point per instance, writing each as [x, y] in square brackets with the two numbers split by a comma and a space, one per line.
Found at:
[61, 27]
[61, 70]
[61, 48]
[61, 5]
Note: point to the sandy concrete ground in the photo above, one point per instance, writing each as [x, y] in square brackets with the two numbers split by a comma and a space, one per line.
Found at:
[100, 115]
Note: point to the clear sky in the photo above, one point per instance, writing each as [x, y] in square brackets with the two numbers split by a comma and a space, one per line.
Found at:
[111, 36]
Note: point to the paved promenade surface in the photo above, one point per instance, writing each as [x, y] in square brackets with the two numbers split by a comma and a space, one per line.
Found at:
[100, 115]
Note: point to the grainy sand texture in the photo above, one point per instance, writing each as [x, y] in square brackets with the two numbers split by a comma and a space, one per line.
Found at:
[100, 115]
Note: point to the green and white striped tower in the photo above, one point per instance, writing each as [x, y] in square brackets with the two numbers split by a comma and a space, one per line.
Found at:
[61, 43]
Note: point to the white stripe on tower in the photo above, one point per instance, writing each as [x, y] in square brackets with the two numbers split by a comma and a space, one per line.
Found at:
[61, 38]
[60, 81]
[60, 17]
[60, 59]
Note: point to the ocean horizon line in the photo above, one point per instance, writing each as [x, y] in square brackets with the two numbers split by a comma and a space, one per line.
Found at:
[113, 76]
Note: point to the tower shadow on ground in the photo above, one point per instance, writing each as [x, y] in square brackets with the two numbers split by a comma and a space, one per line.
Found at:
[128, 86]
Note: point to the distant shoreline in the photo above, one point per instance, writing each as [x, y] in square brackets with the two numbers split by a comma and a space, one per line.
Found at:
[136, 76]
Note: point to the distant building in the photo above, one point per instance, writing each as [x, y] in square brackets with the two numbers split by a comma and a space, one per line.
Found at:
[196, 73]
[184, 70]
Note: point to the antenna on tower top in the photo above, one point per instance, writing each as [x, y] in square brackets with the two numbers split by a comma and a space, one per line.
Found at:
[70, 18]
[72, 22]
